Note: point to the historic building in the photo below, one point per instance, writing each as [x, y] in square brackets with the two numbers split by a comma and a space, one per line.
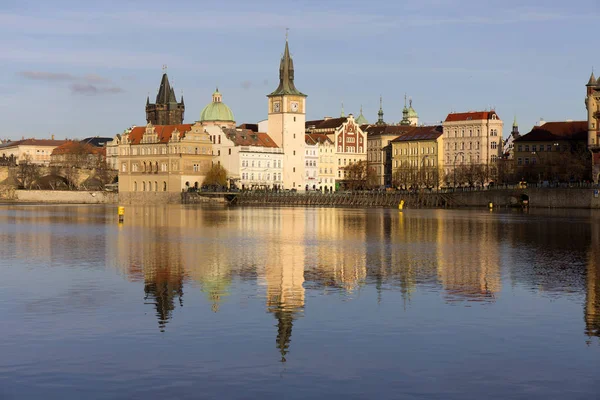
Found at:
[217, 113]
[379, 149]
[361, 120]
[417, 156]
[252, 159]
[326, 161]
[592, 103]
[473, 137]
[35, 151]
[350, 142]
[163, 158]
[311, 163]
[554, 151]
[287, 116]
[166, 110]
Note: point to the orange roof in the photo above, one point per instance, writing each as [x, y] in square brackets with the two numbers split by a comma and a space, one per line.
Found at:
[246, 137]
[72, 147]
[164, 132]
[34, 142]
[471, 116]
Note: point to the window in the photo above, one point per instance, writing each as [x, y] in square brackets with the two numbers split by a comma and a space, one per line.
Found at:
[476, 145]
[541, 147]
[164, 186]
[494, 145]
[196, 167]
[135, 186]
[549, 147]
[533, 160]
[526, 160]
[526, 147]
[533, 147]
[494, 159]
[124, 167]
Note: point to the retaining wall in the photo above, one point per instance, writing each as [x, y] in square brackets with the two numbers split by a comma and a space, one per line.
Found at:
[538, 198]
[64, 197]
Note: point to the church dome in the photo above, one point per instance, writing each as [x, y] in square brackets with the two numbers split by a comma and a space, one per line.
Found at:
[412, 113]
[216, 110]
[361, 120]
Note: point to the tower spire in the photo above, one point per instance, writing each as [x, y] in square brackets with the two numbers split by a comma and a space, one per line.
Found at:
[342, 114]
[286, 74]
[380, 113]
[592, 81]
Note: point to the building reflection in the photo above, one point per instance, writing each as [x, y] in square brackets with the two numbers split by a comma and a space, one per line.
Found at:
[592, 298]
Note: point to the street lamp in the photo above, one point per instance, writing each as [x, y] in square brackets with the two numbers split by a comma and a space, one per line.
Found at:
[454, 166]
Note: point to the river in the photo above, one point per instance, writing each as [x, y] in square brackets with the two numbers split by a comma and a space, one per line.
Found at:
[183, 302]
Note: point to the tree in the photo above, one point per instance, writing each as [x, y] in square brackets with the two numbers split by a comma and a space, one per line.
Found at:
[27, 172]
[216, 176]
[359, 176]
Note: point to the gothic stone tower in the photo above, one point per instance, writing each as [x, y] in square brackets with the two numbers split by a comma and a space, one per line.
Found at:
[166, 110]
[286, 123]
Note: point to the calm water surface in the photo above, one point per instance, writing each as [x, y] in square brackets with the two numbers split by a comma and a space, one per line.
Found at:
[186, 303]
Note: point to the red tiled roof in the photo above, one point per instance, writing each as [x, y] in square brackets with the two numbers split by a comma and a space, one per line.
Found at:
[73, 147]
[567, 130]
[246, 137]
[388, 129]
[470, 116]
[421, 133]
[164, 132]
[252, 127]
[318, 137]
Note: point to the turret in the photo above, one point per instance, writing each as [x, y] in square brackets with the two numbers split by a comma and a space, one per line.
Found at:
[380, 112]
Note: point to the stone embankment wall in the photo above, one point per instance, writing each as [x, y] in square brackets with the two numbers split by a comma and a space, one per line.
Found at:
[149, 198]
[537, 198]
[58, 196]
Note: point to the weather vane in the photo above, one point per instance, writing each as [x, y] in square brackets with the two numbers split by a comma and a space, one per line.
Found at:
[287, 31]
[164, 67]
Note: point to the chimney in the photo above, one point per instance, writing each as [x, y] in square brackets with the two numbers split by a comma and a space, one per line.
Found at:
[52, 136]
[326, 118]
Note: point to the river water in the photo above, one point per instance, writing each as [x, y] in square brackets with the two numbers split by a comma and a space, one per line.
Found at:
[182, 302]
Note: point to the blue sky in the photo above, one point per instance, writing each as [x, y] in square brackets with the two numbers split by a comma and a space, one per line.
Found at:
[79, 68]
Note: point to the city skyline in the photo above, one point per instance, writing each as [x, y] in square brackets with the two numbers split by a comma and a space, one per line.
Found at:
[77, 70]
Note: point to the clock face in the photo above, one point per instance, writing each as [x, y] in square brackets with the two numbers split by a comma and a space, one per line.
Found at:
[276, 106]
[294, 106]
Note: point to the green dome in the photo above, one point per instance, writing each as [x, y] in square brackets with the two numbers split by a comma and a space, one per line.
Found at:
[412, 113]
[217, 110]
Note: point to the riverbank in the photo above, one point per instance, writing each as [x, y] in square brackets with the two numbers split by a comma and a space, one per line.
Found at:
[533, 197]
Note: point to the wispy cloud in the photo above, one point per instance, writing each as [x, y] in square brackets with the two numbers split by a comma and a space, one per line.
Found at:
[89, 84]
[89, 89]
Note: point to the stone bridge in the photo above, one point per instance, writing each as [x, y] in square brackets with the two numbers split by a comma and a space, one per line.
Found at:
[61, 177]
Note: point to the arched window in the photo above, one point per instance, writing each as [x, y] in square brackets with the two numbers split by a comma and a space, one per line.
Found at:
[164, 186]
[155, 186]
[134, 186]
[143, 186]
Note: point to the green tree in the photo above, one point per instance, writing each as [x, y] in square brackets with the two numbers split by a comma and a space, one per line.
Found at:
[216, 176]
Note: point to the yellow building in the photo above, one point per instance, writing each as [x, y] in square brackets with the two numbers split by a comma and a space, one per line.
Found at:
[417, 158]
[162, 160]
[326, 160]
[592, 103]
[379, 149]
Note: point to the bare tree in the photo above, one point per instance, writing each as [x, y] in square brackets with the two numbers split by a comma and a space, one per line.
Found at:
[216, 176]
[359, 176]
[27, 172]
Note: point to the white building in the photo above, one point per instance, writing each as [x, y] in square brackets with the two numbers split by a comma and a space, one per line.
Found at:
[311, 164]
[252, 159]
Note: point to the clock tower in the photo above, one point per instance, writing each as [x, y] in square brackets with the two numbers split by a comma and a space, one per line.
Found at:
[286, 123]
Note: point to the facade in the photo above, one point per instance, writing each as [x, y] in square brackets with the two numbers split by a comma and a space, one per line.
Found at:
[252, 159]
[418, 157]
[217, 113]
[326, 161]
[112, 152]
[286, 123]
[163, 158]
[554, 151]
[592, 103]
[379, 149]
[349, 141]
[471, 138]
[166, 110]
[36, 151]
[311, 163]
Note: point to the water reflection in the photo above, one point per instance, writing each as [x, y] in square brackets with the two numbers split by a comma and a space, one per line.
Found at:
[466, 257]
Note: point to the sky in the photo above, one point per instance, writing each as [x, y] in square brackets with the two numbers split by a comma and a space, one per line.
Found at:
[79, 68]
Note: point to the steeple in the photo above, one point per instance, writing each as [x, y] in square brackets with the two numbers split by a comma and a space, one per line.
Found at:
[166, 110]
[592, 81]
[405, 120]
[361, 120]
[515, 129]
[342, 113]
[380, 112]
[286, 75]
